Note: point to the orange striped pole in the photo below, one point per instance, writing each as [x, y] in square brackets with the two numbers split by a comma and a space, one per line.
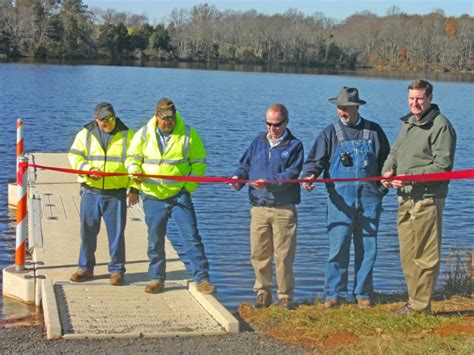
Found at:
[21, 199]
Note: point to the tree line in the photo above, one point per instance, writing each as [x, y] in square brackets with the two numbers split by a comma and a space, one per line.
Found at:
[67, 29]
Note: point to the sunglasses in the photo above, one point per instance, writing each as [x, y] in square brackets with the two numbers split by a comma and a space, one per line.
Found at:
[167, 118]
[276, 125]
[107, 118]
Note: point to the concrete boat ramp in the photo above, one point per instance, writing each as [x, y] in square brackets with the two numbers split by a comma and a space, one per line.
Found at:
[95, 309]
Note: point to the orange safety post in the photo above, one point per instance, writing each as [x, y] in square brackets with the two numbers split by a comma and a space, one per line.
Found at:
[21, 169]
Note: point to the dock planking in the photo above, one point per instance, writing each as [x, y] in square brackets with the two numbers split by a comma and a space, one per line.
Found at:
[95, 309]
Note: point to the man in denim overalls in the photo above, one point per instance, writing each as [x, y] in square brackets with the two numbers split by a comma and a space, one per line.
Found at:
[352, 147]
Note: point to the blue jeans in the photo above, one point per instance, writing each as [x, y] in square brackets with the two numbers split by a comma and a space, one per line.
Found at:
[345, 224]
[181, 209]
[113, 209]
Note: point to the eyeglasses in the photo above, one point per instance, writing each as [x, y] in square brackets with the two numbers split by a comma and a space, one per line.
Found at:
[276, 125]
[167, 118]
[107, 118]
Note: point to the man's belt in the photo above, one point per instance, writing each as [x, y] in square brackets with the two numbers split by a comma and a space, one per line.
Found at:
[105, 191]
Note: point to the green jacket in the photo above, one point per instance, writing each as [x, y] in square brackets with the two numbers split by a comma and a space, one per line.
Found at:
[184, 156]
[423, 147]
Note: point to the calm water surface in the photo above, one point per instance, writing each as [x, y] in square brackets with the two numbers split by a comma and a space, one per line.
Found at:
[227, 109]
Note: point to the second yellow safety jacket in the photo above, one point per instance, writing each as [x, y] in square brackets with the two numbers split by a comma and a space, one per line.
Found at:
[184, 156]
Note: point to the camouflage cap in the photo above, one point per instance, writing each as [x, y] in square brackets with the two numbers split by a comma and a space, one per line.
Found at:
[165, 107]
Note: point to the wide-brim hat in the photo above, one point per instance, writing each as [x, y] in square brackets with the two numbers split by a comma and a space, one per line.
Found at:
[347, 97]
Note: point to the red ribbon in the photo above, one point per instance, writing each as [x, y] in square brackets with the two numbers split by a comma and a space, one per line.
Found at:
[452, 175]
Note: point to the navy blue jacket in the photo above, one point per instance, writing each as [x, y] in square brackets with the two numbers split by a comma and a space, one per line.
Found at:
[282, 162]
[323, 149]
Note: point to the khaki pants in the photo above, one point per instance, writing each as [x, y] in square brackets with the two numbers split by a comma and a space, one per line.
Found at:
[419, 230]
[273, 233]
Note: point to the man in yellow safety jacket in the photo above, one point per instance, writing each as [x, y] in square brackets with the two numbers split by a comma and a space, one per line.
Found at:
[101, 146]
[166, 146]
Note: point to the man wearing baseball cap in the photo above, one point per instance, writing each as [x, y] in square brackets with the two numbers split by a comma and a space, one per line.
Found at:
[101, 146]
[167, 146]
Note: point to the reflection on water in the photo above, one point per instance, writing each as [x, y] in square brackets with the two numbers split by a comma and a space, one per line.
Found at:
[227, 109]
[14, 313]
[259, 68]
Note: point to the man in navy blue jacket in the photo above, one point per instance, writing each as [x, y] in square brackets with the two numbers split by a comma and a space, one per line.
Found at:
[352, 147]
[273, 155]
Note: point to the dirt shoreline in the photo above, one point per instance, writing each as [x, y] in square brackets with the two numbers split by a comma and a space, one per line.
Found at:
[278, 330]
[31, 339]
[24, 333]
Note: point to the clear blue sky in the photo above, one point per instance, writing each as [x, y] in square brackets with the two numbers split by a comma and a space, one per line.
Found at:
[158, 10]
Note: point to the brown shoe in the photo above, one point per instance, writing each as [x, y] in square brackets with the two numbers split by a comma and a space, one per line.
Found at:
[331, 303]
[205, 286]
[155, 286]
[406, 310]
[264, 299]
[364, 303]
[116, 279]
[81, 276]
[287, 303]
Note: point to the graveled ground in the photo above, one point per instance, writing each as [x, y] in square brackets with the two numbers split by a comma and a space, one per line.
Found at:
[31, 340]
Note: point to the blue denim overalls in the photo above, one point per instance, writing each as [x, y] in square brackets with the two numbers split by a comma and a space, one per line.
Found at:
[353, 210]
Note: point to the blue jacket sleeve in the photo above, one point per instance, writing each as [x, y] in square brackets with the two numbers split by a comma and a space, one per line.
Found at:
[318, 157]
[244, 165]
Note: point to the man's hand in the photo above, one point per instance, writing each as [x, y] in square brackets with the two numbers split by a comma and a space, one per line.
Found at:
[308, 186]
[234, 185]
[94, 176]
[391, 183]
[259, 184]
[136, 179]
[132, 199]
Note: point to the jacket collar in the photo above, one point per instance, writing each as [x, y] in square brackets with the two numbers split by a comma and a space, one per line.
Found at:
[119, 126]
[179, 128]
[285, 142]
[94, 129]
[427, 118]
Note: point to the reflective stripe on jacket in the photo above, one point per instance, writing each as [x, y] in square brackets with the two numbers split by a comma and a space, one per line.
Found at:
[87, 153]
[184, 156]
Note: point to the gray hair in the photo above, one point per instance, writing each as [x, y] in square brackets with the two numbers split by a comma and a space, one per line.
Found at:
[279, 108]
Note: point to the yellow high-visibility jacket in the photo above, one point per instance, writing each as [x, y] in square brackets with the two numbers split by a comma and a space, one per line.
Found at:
[87, 153]
[184, 156]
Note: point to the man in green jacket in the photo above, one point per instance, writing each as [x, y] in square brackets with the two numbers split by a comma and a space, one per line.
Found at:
[169, 147]
[426, 144]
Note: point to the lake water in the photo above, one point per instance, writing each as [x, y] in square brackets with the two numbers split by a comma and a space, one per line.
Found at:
[227, 109]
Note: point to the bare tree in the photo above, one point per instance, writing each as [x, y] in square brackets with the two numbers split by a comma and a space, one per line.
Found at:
[63, 28]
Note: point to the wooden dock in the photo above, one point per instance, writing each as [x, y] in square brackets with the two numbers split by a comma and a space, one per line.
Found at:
[95, 308]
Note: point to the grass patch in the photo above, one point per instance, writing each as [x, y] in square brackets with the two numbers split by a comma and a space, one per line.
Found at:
[378, 329]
